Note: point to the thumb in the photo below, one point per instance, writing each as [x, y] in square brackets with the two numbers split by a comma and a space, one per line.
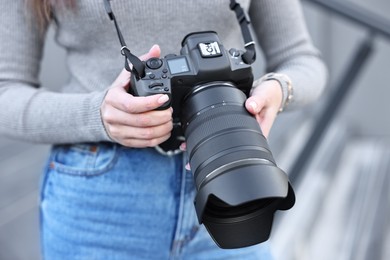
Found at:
[253, 105]
[154, 52]
[124, 77]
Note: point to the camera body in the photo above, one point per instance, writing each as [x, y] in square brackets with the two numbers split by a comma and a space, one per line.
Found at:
[202, 60]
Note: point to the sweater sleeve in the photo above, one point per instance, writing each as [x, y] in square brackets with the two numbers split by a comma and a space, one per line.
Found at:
[282, 34]
[28, 112]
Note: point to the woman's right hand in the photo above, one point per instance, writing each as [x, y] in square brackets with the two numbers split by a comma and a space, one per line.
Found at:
[133, 121]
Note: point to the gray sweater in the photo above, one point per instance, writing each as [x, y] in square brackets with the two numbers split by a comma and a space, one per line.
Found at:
[30, 113]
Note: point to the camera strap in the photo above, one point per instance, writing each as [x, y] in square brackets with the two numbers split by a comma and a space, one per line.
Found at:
[250, 55]
[138, 66]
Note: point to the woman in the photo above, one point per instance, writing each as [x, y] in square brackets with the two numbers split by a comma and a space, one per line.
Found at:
[106, 192]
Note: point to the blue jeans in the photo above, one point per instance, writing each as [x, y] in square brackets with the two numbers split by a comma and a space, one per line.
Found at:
[105, 201]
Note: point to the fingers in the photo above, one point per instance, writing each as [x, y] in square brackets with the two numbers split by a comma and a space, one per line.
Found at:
[183, 147]
[264, 105]
[147, 143]
[148, 119]
[134, 121]
[120, 99]
[140, 130]
[266, 119]
[142, 143]
[265, 114]
[138, 137]
[254, 104]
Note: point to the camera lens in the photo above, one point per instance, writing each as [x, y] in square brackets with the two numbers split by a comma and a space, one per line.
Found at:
[238, 183]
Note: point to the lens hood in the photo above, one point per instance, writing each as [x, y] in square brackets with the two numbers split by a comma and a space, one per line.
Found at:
[251, 195]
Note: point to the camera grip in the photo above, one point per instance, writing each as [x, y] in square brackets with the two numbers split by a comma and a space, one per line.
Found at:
[149, 87]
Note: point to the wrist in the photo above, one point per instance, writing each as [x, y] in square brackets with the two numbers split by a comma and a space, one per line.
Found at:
[284, 83]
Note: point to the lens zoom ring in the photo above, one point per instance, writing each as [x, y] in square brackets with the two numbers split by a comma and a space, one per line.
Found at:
[219, 119]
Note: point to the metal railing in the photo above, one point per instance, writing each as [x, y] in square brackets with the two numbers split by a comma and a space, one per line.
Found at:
[375, 26]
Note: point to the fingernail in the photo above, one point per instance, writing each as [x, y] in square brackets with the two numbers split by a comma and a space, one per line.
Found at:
[153, 47]
[188, 167]
[183, 147]
[253, 105]
[163, 99]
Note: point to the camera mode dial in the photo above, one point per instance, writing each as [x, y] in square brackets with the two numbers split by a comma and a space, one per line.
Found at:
[154, 63]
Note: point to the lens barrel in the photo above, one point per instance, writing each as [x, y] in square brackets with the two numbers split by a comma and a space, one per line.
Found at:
[239, 186]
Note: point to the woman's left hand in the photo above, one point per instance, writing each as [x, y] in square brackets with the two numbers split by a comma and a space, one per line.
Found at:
[264, 103]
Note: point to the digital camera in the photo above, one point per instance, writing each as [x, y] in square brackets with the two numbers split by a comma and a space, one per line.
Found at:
[239, 186]
[203, 64]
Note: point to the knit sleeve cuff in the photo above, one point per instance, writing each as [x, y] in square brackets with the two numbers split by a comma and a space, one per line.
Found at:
[94, 119]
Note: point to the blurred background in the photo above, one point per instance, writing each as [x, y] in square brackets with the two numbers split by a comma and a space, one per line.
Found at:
[341, 181]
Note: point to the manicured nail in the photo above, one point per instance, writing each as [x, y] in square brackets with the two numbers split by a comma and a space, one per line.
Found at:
[188, 167]
[183, 147]
[254, 106]
[163, 99]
